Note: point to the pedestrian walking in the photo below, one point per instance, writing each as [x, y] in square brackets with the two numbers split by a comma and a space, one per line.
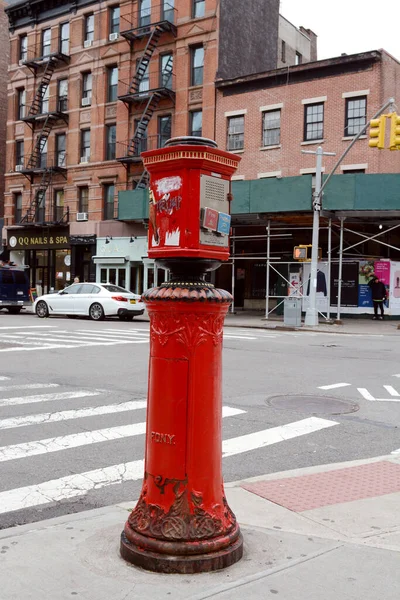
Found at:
[378, 291]
[76, 279]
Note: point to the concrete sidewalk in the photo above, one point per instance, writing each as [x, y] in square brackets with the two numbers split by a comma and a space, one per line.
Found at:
[324, 533]
[350, 326]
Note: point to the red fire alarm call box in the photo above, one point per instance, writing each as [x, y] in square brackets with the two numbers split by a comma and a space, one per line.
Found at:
[189, 196]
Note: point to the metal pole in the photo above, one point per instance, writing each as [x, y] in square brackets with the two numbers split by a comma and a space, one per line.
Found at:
[328, 312]
[267, 273]
[339, 299]
[233, 276]
[312, 313]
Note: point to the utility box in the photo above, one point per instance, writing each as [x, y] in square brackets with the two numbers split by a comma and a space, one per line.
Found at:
[189, 213]
[292, 312]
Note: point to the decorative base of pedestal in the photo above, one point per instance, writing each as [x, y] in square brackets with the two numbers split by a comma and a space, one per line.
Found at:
[197, 563]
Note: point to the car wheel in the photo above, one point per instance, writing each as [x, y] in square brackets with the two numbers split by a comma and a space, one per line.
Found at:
[96, 312]
[42, 309]
[14, 310]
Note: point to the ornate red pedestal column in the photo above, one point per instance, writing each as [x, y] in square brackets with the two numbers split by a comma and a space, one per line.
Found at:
[182, 522]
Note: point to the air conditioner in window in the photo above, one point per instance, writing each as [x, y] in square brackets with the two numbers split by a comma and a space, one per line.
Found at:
[81, 216]
[85, 159]
[113, 36]
[87, 43]
[18, 168]
[87, 101]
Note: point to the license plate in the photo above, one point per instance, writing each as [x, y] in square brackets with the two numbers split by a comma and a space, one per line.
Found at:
[133, 301]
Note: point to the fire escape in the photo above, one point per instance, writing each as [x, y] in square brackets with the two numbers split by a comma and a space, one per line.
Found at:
[42, 115]
[145, 91]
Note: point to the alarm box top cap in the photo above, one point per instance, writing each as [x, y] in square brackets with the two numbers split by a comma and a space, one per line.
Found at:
[190, 140]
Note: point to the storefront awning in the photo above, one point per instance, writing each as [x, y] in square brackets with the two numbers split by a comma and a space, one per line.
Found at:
[110, 260]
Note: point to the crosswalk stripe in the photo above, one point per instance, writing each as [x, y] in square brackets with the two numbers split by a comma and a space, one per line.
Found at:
[238, 337]
[60, 337]
[36, 348]
[11, 339]
[70, 486]
[391, 390]
[75, 440]
[47, 397]
[4, 378]
[30, 327]
[260, 439]
[66, 415]
[27, 386]
[79, 484]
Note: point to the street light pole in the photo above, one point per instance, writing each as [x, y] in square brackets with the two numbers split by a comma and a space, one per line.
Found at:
[311, 319]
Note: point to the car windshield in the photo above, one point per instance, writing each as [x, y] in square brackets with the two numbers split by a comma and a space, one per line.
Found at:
[115, 288]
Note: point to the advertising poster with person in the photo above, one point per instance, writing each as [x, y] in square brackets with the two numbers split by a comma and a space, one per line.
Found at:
[382, 271]
[322, 286]
[381, 268]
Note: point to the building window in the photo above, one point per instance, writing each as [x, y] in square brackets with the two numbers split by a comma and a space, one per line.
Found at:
[19, 153]
[18, 207]
[166, 65]
[168, 10]
[313, 122]
[64, 38]
[145, 13]
[111, 139]
[114, 20]
[23, 48]
[61, 145]
[235, 133]
[62, 92]
[42, 162]
[46, 42]
[85, 145]
[109, 192]
[45, 101]
[21, 101]
[197, 65]
[164, 130]
[271, 128]
[140, 143]
[196, 122]
[112, 84]
[144, 83]
[198, 8]
[356, 115]
[83, 199]
[86, 89]
[58, 205]
[298, 58]
[89, 28]
[283, 51]
[353, 171]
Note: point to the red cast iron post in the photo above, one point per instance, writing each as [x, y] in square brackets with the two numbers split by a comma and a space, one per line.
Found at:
[182, 522]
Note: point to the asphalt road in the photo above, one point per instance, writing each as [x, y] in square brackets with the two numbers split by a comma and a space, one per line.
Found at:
[72, 408]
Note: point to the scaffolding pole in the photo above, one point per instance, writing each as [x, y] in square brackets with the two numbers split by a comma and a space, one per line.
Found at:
[267, 273]
[339, 300]
[328, 312]
[233, 274]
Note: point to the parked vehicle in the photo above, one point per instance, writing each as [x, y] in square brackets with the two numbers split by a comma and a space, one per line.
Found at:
[94, 300]
[14, 288]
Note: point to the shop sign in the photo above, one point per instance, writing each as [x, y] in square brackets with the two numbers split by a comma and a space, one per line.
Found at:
[38, 239]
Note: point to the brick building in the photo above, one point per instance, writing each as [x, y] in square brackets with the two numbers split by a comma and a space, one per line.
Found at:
[3, 99]
[91, 85]
[269, 119]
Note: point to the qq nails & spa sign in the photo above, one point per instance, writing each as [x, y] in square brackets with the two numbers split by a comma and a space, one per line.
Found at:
[38, 239]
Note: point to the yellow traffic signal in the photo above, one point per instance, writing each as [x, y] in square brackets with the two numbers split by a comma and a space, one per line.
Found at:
[394, 143]
[377, 132]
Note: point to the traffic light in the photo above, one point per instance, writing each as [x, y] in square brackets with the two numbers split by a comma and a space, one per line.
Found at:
[394, 143]
[377, 132]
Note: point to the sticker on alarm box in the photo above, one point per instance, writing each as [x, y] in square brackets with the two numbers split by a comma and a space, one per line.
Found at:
[224, 223]
[210, 219]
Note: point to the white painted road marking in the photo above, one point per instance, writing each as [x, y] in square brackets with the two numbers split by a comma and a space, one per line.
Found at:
[79, 484]
[31, 327]
[391, 390]
[260, 439]
[395, 395]
[66, 415]
[333, 386]
[75, 440]
[47, 397]
[27, 386]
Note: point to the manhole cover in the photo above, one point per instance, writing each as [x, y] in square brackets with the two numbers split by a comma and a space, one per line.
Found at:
[321, 405]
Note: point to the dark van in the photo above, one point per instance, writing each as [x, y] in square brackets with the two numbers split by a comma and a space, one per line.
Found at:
[14, 289]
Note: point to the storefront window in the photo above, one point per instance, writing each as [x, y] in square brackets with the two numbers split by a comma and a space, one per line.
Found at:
[112, 276]
[62, 269]
[103, 275]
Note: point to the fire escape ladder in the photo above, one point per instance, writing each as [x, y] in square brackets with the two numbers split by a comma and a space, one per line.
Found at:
[36, 105]
[144, 180]
[34, 159]
[37, 202]
[145, 59]
[141, 128]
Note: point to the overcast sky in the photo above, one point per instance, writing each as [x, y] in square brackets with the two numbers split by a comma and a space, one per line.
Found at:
[349, 26]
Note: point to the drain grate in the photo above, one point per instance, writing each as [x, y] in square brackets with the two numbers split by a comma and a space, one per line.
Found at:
[315, 405]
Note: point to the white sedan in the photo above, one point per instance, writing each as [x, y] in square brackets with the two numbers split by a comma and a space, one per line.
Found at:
[94, 300]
